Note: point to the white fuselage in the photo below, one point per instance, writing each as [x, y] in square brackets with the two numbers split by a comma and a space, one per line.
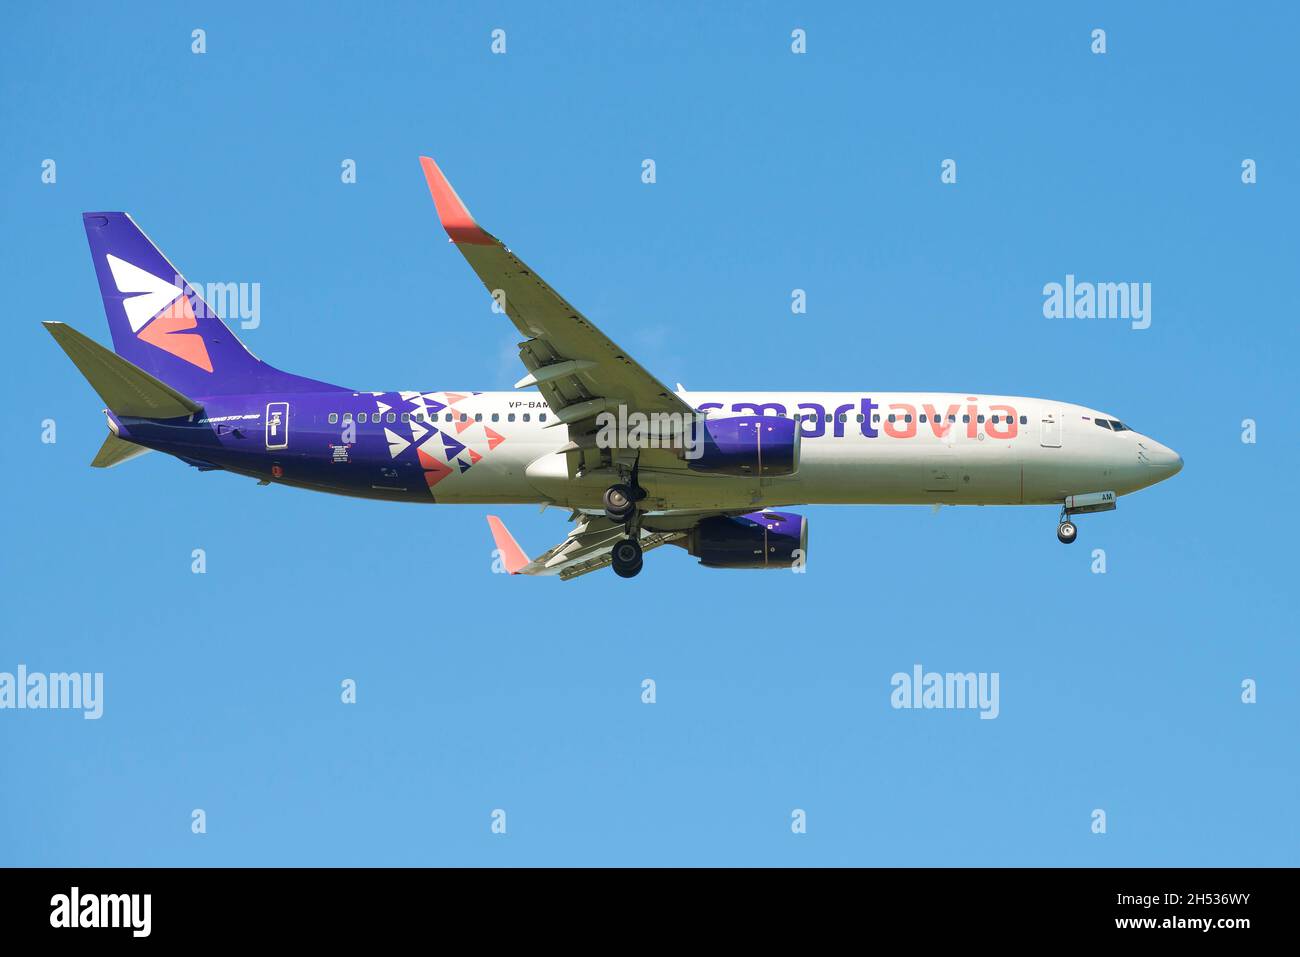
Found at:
[856, 448]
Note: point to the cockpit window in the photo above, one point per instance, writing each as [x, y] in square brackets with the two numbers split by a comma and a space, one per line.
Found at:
[1114, 425]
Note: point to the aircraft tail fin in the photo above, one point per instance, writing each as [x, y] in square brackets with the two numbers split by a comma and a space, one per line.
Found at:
[125, 388]
[163, 326]
[115, 451]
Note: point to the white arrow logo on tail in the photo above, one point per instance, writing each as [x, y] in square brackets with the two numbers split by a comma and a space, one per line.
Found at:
[149, 294]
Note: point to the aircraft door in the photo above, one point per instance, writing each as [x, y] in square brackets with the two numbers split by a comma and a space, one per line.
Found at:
[1051, 430]
[277, 425]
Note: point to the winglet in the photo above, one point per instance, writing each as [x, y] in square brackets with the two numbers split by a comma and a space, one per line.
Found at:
[512, 556]
[455, 217]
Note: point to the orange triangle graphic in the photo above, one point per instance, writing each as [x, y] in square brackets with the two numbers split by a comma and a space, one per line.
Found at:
[453, 397]
[493, 439]
[164, 332]
[433, 477]
[462, 426]
[473, 457]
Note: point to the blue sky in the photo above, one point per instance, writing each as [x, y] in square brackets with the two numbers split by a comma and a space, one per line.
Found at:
[775, 171]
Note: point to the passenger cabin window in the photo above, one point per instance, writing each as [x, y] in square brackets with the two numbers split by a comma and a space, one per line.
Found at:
[478, 416]
[347, 416]
[527, 417]
[361, 416]
[542, 417]
[334, 417]
[510, 417]
[496, 416]
[1024, 420]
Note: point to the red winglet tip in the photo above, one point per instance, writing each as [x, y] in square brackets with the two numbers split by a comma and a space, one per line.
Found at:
[456, 219]
[512, 556]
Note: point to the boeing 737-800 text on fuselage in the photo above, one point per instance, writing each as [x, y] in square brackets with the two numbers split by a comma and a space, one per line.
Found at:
[638, 464]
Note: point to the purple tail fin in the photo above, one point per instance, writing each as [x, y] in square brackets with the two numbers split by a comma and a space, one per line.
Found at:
[162, 325]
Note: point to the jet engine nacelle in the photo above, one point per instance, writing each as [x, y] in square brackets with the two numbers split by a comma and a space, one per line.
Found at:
[757, 540]
[745, 445]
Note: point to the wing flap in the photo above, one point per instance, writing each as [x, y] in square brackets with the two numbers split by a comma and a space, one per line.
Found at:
[586, 548]
[649, 541]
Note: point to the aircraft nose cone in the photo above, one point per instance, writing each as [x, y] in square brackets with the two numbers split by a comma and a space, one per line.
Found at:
[1160, 457]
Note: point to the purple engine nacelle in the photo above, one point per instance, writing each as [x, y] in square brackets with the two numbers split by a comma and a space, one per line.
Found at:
[746, 445]
[757, 540]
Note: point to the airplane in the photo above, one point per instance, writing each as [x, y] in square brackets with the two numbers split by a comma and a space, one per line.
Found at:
[587, 429]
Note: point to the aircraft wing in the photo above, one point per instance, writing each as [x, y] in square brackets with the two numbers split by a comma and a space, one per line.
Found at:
[578, 370]
[586, 549]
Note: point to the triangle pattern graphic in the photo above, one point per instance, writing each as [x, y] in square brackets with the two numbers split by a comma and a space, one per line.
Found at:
[453, 448]
[396, 444]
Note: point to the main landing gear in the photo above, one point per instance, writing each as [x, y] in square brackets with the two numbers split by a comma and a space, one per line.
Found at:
[620, 506]
[620, 503]
[627, 558]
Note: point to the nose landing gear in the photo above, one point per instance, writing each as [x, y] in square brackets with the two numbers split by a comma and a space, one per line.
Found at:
[1066, 531]
[1081, 504]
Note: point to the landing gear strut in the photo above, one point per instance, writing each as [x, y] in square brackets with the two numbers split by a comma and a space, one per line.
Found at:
[620, 506]
[627, 558]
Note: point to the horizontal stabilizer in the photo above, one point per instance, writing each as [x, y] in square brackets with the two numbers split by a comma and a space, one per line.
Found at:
[115, 451]
[125, 388]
